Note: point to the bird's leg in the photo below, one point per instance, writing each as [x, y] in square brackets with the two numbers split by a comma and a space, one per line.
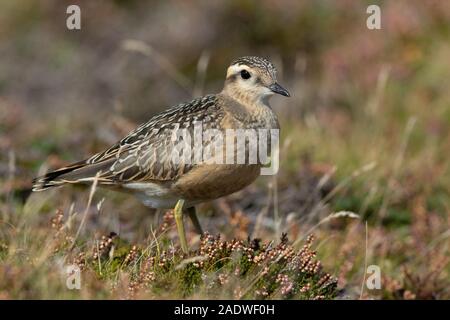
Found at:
[178, 213]
[194, 219]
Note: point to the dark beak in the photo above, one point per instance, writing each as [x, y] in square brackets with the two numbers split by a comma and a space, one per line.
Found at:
[279, 89]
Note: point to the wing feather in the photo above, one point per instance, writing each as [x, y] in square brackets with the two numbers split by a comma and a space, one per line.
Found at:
[146, 153]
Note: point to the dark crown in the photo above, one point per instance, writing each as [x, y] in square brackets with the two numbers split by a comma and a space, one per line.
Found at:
[258, 62]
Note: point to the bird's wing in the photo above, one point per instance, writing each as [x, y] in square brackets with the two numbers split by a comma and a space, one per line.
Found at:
[146, 153]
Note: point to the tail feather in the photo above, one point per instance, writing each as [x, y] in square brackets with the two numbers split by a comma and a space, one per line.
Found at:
[80, 172]
[54, 178]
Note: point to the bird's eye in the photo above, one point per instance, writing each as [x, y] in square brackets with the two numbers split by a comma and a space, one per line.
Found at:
[245, 74]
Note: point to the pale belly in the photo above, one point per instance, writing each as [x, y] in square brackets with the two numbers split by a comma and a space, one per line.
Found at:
[153, 195]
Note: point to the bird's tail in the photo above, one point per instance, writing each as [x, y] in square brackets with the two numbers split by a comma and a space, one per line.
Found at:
[80, 172]
[55, 178]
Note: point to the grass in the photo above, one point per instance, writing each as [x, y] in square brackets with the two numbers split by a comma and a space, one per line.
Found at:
[111, 267]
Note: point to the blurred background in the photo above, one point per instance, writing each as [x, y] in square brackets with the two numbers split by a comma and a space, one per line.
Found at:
[367, 129]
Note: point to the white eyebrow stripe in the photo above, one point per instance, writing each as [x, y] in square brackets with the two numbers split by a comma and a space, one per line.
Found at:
[236, 68]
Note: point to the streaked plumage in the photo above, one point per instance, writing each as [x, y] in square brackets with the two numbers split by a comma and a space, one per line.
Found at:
[140, 162]
[137, 157]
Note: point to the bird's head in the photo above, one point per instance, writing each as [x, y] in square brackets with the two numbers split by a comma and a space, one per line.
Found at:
[252, 79]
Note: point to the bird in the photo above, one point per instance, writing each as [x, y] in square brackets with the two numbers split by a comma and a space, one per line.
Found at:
[140, 163]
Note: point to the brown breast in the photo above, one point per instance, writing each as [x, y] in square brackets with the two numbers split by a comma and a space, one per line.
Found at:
[209, 182]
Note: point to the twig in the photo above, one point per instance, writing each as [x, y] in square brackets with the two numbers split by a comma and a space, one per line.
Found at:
[397, 165]
[160, 60]
[365, 264]
[334, 215]
[83, 220]
[202, 66]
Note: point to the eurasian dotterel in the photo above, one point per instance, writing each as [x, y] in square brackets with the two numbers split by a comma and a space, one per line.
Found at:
[142, 162]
